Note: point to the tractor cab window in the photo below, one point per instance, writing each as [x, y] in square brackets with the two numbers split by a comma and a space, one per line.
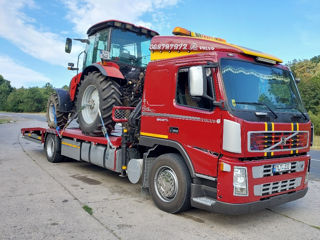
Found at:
[130, 48]
[183, 96]
[97, 44]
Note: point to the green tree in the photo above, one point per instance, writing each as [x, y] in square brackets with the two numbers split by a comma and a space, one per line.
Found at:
[65, 87]
[15, 99]
[315, 119]
[310, 93]
[5, 90]
[46, 91]
[33, 100]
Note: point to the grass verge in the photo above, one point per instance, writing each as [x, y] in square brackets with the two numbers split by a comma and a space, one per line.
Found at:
[5, 120]
[316, 143]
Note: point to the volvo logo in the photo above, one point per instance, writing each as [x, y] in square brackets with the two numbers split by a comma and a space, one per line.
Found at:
[283, 141]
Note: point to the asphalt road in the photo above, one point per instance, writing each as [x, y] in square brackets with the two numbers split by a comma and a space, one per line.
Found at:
[41, 200]
[32, 116]
[315, 164]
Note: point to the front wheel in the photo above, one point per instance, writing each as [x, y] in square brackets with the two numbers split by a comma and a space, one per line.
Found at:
[170, 183]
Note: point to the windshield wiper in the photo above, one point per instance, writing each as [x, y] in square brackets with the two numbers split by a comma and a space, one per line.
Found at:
[261, 104]
[296, 108]
[305, 117]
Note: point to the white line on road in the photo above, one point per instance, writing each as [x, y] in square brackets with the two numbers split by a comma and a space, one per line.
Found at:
[317, 160]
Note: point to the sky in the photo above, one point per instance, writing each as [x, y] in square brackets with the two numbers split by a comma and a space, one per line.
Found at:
[33, 32]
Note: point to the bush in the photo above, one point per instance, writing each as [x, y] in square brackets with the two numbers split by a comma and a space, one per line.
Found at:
[315, 119]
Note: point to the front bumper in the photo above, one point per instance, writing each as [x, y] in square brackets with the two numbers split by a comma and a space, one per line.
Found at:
[214, 205]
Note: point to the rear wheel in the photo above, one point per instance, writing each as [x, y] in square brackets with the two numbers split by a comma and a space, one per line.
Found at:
[52, 109]
[53, 148]
[97, 92]
[169, 183]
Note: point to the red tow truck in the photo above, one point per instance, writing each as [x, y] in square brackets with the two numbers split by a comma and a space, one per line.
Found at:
[218, 127]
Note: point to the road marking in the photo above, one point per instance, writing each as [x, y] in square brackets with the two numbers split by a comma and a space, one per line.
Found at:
[317, 160]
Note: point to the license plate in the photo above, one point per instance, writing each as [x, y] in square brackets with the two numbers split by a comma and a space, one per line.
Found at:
[281, 167]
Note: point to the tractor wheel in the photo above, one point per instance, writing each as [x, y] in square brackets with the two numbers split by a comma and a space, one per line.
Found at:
[97, 92]
[53, 105]
[170, 183]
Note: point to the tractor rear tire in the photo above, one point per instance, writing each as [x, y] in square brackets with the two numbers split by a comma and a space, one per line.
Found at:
[97, 91]
[62, 117]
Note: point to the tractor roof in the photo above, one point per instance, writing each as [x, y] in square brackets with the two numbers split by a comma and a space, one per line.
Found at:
[186, 42]
[123, 25]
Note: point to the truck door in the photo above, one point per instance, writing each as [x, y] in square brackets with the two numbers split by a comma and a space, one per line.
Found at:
[196, 123]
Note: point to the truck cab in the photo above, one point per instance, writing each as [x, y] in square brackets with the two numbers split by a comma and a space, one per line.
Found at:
[236, 116]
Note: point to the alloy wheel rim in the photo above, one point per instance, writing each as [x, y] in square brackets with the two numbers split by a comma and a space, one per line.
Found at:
[91, 102]
[166, 183]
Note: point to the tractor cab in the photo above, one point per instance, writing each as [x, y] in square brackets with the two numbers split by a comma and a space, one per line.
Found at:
[119, 42]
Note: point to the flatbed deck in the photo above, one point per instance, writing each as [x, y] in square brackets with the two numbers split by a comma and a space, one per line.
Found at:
[38, 134]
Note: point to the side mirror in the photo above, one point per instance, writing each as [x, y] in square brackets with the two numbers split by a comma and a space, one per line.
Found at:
[68, 45]
[298, 80]
[197, 81]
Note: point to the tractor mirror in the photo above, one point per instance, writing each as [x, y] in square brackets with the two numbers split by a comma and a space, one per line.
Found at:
[68, 45]
[197, 81]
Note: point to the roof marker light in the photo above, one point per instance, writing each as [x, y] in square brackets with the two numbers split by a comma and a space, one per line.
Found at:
[129, 26]
[181, 31]
[184, 32]
[117, 24]
[266, 60]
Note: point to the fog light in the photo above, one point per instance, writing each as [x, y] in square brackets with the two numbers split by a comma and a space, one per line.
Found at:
[240, 181]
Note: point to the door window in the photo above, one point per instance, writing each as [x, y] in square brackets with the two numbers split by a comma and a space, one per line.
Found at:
[183, 96]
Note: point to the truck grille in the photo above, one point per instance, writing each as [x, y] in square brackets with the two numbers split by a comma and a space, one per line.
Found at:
[277, 187]
[277, 141]
[267, 170]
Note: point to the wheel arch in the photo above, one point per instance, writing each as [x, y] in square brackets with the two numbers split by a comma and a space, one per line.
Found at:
[167, 146]
[111, 70]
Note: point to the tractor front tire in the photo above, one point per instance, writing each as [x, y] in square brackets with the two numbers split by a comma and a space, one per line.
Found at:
[97, 92]
[53, 108]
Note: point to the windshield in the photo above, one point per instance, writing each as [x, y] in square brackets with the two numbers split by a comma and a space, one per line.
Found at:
[126, 47]
[130, 48]
[257, 87]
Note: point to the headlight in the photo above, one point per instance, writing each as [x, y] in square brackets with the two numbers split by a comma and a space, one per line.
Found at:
[240, 181]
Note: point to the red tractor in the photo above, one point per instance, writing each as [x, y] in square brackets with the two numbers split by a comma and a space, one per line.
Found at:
[115, 60]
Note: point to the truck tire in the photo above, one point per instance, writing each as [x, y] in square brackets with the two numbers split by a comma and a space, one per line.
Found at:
[52, 147]
[62, 117]
[97, 91]
[170, 183]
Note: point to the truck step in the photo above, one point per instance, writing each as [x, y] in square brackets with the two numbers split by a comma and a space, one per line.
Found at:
[204, 201]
